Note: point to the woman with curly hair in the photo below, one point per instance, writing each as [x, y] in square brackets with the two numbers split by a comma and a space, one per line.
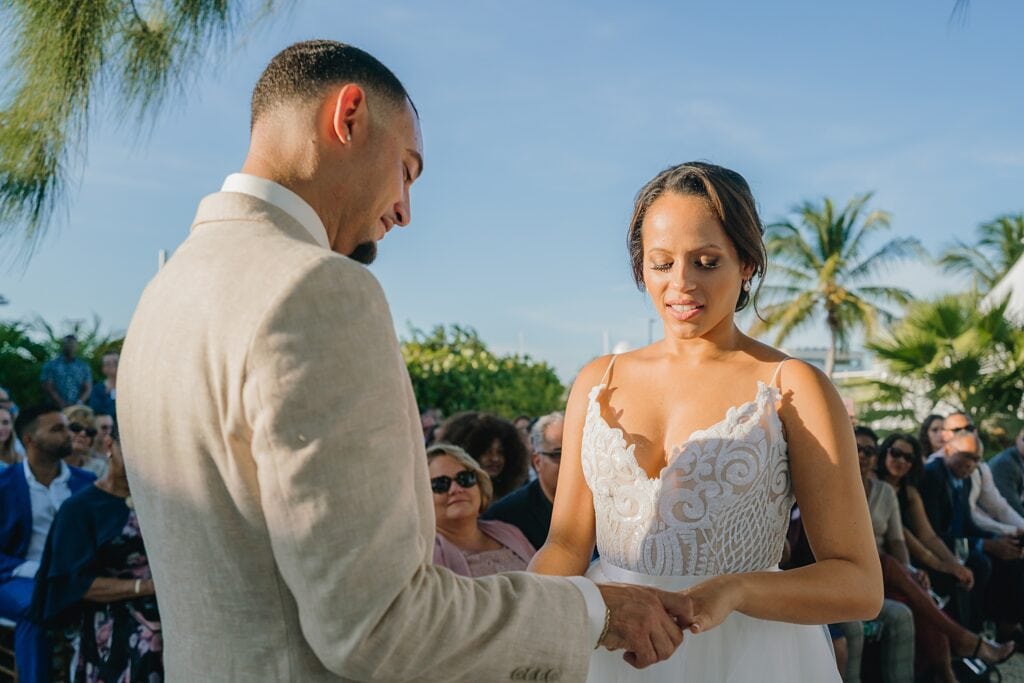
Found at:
[494, 443]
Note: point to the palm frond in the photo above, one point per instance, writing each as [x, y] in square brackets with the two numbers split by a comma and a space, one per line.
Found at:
[971, 261]
[787, 317]
[66, 57]
[889, 295]
[893, 251]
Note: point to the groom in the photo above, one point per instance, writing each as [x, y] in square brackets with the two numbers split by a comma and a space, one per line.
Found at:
[273, 441]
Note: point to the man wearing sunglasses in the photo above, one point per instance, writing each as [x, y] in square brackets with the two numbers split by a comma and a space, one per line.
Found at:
[529, 507]
[990, 510]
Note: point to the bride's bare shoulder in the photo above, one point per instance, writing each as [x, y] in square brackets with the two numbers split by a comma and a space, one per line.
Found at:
[591, 373]
[759, 352]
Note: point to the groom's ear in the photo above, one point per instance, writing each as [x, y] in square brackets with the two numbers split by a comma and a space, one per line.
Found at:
[350, 114]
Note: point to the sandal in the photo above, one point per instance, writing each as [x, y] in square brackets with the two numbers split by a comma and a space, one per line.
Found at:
[982, 640]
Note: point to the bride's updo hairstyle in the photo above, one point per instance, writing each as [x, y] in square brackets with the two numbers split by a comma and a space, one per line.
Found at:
[729, 198]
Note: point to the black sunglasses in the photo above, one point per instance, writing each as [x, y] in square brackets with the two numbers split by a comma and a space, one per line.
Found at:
[554, 455]
[868, 451]
[965, 428]
[896, 454]
[466, 479]
[76, 428]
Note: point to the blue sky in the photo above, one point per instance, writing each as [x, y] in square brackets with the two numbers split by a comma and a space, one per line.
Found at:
[541, 120]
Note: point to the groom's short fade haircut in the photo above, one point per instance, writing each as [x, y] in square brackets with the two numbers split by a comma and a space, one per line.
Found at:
[304, 70]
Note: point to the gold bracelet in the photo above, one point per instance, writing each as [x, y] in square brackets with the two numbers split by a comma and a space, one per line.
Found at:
[607, 624]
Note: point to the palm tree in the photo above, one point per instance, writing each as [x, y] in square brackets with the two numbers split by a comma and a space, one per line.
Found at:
[61, 55]
[822, 270]
[949, 351]
[999, 245]
[21, 358]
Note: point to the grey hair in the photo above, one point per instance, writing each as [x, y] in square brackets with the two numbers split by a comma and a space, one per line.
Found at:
[541, 426]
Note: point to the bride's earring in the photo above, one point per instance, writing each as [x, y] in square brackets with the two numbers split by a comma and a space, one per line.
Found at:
[746, 285]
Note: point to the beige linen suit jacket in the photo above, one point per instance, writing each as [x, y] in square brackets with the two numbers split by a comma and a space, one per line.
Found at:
[275, 457]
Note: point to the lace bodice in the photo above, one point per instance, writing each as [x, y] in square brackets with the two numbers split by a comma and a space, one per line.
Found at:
[721, 504]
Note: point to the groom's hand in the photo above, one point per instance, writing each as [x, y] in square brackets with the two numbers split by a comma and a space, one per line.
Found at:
[646, 622]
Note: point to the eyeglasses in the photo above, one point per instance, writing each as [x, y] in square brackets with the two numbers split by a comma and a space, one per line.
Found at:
[965, 428]
[77, 428]
[554, 455]
[867, 451]
[896, 454]
[466, 479]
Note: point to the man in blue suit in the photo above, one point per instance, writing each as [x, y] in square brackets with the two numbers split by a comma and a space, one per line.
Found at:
[30, 494]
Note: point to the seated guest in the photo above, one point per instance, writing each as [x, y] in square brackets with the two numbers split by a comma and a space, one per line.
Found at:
[82, 424]
[494, 443]
[7, 403]
[430, 420]
[529, 506]
[989, 509]
[896, 634]
[105, 427]
[522, 424]
[937, 636]
[465, 543]
[8, 455]
[30, 494]
[103, 399]
[94, 576]
[1004, 596]
[945, 491]
[900, 465]
[930, 436]
[1008, 474]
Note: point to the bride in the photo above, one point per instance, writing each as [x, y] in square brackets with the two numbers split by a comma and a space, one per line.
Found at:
[683, 459]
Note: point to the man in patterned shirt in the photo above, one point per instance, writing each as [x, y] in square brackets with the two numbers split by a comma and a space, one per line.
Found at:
[66, 380]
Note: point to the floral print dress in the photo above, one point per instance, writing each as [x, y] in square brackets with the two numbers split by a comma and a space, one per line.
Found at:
[121, 642]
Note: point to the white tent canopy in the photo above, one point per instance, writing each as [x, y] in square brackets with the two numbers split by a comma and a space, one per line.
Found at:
[1013, 286]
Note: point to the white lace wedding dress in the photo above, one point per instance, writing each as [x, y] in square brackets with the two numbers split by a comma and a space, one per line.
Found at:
[720, 506]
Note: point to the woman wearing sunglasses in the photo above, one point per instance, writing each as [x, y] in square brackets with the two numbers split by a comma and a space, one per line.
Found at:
[465, 543]
[899, 465]
[937, 636]
[82, 423]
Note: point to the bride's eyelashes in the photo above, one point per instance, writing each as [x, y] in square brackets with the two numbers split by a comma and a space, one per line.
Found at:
[709, 264]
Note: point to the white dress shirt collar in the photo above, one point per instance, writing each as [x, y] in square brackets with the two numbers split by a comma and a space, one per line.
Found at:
[61, 478]
[281, 197]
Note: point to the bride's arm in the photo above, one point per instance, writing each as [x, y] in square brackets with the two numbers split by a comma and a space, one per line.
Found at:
[570, 542]
[845, 583]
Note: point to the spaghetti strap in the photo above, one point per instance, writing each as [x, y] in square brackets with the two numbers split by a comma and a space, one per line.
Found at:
[775, 375]
[604, 378]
